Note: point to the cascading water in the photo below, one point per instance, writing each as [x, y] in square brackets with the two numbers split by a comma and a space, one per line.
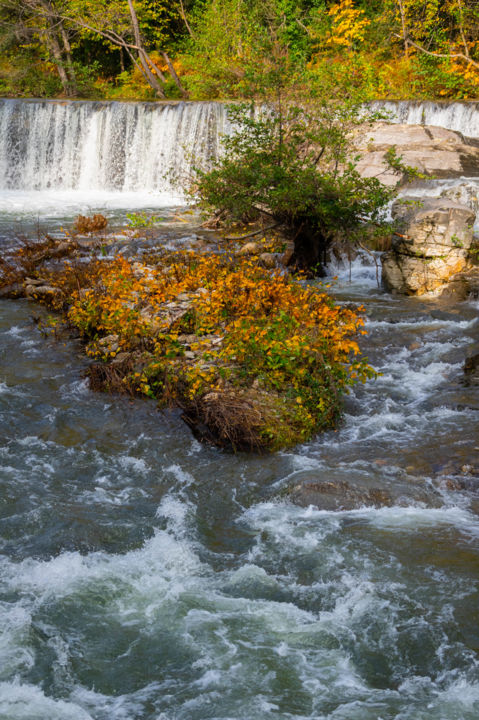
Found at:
[146, 577]
[81, 156]
[460, 116]
[115, 154]
[128, 147]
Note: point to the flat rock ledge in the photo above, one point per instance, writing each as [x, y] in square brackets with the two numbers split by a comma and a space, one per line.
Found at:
[433, 151]
[433, 245]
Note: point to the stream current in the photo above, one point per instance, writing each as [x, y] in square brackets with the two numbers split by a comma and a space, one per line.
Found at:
[144, 576]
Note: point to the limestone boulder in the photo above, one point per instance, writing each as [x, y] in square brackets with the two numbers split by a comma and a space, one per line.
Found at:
[408, 275]
[432, 245]
[432, 227]
[431, 150]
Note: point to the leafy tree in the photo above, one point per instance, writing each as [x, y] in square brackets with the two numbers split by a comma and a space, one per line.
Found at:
[39, 25]
[122, 24]
[292, 162]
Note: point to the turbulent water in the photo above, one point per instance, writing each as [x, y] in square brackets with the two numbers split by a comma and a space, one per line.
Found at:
[146, 577]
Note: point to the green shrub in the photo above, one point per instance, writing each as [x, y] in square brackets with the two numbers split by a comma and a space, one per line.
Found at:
[293, 163]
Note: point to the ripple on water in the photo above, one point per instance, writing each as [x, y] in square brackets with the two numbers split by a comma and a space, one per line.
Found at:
[320, 618]
[144, 576]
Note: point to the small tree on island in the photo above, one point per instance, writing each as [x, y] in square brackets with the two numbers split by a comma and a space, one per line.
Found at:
[295, 163]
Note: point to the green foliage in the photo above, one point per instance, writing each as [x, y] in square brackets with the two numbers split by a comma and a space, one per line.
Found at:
[225, 48]
[294, 163]
[142, 220]
[394, 161]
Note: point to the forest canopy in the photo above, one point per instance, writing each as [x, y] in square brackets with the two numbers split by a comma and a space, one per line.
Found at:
[208, 49]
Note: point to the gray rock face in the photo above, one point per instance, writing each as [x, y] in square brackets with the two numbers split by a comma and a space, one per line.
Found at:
[432, 246]
[431, 150]
[465, 194]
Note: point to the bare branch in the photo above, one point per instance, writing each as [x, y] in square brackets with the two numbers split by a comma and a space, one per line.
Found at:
[461, 56]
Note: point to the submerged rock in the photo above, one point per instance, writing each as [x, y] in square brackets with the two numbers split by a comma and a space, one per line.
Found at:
[436, 235]
[338, 496]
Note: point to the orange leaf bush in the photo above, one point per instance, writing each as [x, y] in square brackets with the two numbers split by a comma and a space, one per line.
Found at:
[209, 330]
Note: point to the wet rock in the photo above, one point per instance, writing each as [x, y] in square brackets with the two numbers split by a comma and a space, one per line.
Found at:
[269, 260]
[443, 315]
[15, 290]
[463, 285]
[407, 275]
[433, 245]
[250, 248]
[338, 496]
[431, 150]
[41, 291]
[471, 369]
[465, 194]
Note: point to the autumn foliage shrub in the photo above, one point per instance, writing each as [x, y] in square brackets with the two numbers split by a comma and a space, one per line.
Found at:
[84, 224]
[259, 358]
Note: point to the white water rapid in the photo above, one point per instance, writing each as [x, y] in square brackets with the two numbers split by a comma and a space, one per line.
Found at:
[146, 577]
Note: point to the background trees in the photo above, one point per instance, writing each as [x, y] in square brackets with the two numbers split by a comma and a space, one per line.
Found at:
[217, 48]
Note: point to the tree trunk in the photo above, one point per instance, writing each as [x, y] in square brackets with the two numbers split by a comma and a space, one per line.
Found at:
[143, 55]
[68, 54]
[185, 19]
[405, 33]
[310, 253]
[51, 42]
[173, 74]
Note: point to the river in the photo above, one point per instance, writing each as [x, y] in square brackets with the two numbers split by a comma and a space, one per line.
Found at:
[144, 576]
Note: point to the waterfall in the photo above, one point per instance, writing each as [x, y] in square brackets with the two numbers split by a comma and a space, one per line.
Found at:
[119, 146]
[460, 116]
[141, 147]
